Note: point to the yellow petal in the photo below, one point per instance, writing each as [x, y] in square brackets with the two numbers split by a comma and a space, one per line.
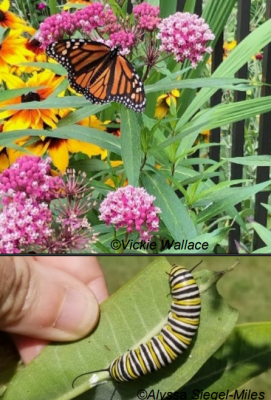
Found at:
[4, 161]
[4, 6]
[59, 154]
[175, 92]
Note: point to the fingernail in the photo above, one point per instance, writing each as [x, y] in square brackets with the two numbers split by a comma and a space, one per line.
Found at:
[78, 314]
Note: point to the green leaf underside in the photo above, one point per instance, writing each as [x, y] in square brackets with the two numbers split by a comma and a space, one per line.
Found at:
[245, 354]
[127, 319]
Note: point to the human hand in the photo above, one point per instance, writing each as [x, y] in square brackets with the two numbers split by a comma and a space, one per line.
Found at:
[49, 298]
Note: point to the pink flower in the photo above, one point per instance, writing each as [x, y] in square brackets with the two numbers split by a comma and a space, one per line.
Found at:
[123, 39]
[147, 16]
[89, 18]
[32, 176]
[24, 222]
[185, 35]
[55, 27]
[133, 209]
[41, 6]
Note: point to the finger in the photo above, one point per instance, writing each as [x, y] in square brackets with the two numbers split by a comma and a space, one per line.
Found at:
[44, 302]
[85, 268]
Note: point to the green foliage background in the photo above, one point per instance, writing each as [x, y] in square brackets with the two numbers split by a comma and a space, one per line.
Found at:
[247, 288]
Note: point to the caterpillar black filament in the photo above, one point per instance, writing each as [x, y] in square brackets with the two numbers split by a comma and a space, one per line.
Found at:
[174, 338]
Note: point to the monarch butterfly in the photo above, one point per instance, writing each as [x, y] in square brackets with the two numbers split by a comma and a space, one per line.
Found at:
[174, 338]
[100, 73]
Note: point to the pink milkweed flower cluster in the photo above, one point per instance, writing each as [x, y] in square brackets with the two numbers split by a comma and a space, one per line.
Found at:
[131, 208]
[147, 16]
[28, 218]
[26, 189]
[183, 35]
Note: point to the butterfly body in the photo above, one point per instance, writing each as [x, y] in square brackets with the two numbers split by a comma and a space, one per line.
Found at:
[100, 73]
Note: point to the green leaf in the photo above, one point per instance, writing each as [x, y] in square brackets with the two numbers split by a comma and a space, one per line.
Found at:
[174, 214]
[245, 354]
[166, 9]
[263, 250]
[11, 93]
[132, 315]
[56, 68]
[235, 198]
[254, 161]
[263, 232]
[81, 113]
[85, 134]
[130, 145]
[222, 83]
[216, 117]
[51, 102]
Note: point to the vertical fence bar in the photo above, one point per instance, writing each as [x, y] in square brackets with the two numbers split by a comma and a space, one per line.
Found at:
[198, 11]
[180, 5]
[238, 130]
[217, 58]
[260, 213]
[129, 7]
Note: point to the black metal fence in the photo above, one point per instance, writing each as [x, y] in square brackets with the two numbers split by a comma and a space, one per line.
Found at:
[238, 131]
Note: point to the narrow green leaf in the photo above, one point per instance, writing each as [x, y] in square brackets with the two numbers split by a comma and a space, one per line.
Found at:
[132, 315]
[81, 113]
[166, 8]
[245, 354]
[59, 102]
[130, 145]
[56, 68]
[174, 213]
[222, 83]
[218, 116]
[85, 134]
[11, 93]
[254, 161]
[263, 232]
[263, 250]
[240, 195]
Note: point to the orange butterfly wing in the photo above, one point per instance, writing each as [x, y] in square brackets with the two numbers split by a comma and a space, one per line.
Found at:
[99, 73]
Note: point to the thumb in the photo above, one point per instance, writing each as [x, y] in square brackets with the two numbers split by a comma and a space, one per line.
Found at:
[44, 302]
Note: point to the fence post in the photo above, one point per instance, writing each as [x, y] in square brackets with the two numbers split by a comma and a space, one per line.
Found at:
[238, 129]
[260, 214]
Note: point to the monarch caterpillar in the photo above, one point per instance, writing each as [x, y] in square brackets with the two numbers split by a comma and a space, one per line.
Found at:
[174, 338]
[100, 73]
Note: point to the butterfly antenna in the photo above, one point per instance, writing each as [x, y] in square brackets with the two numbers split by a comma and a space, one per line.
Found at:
[87, 373]
[196, 266]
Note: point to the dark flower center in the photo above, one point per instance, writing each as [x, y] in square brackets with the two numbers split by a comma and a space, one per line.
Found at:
[31, 96]
[2, 16]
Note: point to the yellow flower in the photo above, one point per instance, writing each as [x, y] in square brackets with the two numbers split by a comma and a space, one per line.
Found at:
[228, 47]
[204, 136]
[13, 51]
[10, 20]
[59, 149]
[35, 119]
[37, 55]
[164, 102]
[4, 161]
[116, 180]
